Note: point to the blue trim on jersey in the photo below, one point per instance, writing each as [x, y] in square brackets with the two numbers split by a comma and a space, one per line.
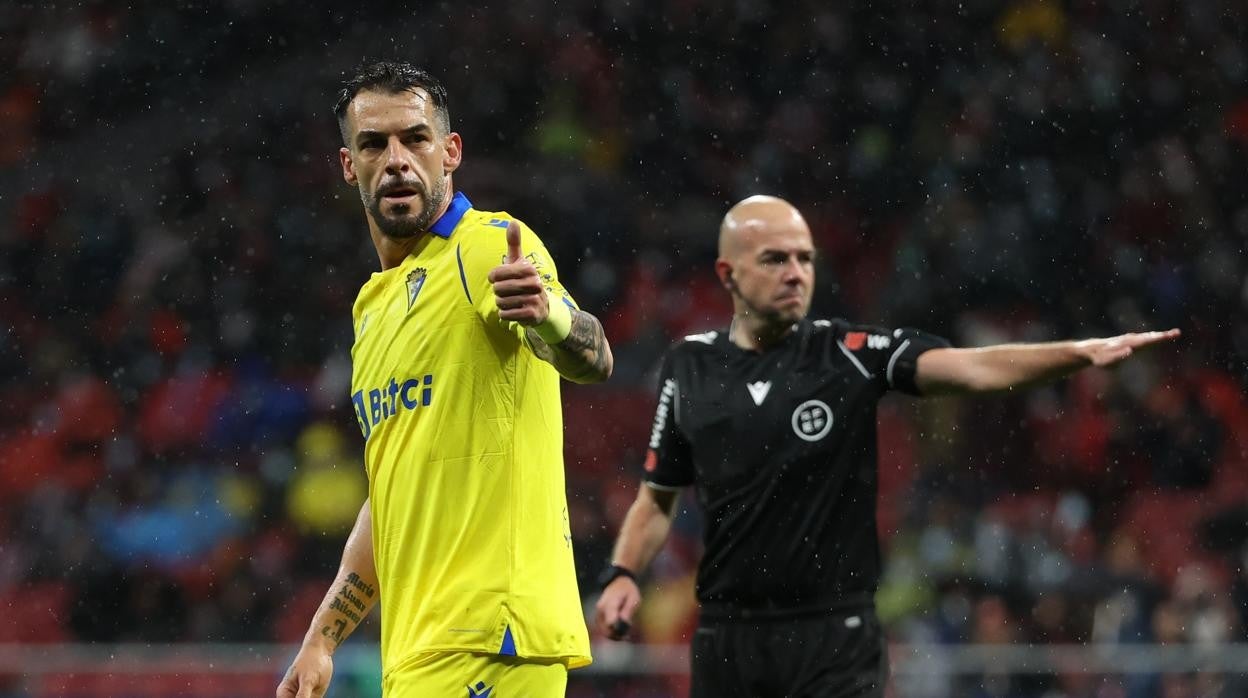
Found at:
[462, 279]
[509, 644]
[445, 225]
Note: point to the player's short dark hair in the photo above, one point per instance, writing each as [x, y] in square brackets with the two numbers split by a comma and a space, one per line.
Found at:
[392, 77]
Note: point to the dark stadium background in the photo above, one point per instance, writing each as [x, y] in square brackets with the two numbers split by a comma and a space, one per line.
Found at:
[179, 461]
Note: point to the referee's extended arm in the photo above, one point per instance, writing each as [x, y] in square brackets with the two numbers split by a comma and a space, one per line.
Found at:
[644, 531]
[1008, 366]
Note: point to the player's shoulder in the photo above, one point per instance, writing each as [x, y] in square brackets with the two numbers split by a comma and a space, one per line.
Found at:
[484, 229]
[486, 232]
[480, 238]
[489, 222]
[494, 223]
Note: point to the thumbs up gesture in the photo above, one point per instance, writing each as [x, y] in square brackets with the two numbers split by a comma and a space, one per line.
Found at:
[518, 289]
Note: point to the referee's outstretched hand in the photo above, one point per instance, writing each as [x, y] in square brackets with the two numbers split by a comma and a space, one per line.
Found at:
[518, 289]
[1110, 350]
[616, 606]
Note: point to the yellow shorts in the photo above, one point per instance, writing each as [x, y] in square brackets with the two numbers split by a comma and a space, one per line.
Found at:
[460, 674]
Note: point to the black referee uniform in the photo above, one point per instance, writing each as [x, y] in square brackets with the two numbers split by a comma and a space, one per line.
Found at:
[781, 446]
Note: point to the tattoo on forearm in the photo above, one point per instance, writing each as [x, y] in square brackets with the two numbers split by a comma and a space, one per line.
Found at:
[352, 601]
[583, 355]
[336, 632]
[540, 348]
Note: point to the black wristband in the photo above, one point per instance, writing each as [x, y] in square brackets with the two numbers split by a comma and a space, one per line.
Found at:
[612, 572]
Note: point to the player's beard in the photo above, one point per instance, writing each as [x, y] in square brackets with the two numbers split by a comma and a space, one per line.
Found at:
[404, 225]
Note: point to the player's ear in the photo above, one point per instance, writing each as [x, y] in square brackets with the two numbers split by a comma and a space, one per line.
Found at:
[348, 167]
[453, 152]
[723, 269]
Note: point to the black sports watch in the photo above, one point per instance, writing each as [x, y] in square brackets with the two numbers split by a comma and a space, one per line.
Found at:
[612, 572]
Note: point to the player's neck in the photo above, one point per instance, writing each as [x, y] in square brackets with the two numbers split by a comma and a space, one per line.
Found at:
[391, 251]
[756, 334]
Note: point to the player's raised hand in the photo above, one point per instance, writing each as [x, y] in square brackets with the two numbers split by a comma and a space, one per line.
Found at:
[308, 676]
[615, 608]
[513, 243]
[1110, 350]
[518, 289]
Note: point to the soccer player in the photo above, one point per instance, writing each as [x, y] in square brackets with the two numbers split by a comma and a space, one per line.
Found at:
[774, 423]
[460, 341]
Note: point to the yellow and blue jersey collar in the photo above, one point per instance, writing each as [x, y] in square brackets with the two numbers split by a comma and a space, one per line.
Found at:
[445, 225]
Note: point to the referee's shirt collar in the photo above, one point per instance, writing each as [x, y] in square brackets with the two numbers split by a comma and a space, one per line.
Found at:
[451, 217]
[800, 328]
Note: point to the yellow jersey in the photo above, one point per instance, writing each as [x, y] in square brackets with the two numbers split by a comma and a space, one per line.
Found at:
[463, 444]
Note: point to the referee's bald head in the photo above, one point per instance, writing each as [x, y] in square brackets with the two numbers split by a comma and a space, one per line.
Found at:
[758, 212]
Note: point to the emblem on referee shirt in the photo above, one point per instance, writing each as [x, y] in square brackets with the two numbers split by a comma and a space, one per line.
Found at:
[812, 420]
[857, 340]
[759, 391]
[415, 281]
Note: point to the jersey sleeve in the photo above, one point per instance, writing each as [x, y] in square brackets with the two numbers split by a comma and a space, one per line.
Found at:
[669, 463]
[485, 250]
[889, 357]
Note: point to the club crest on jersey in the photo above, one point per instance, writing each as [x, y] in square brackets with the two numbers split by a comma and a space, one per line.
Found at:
[415, 281]
[812, 420]
[480, 690]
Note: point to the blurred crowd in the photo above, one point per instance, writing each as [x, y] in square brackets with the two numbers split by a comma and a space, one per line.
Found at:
[179, 254]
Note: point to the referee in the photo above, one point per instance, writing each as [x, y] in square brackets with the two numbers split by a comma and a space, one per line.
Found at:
[774, 423]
